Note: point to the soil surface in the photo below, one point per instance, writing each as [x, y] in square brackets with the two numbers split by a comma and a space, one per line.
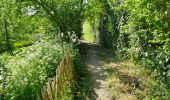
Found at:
[99, 87]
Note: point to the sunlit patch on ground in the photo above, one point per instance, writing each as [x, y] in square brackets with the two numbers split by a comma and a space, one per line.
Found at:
[129, 81]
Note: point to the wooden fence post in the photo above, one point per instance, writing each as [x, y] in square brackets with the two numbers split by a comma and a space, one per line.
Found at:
[64, 76]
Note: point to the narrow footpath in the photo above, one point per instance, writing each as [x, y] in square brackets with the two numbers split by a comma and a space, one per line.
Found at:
[109, 79]
[99, 87]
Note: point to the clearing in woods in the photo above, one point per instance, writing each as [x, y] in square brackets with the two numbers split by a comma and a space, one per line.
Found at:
[111, 80]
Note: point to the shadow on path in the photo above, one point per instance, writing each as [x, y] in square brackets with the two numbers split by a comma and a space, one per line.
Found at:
[98, 86]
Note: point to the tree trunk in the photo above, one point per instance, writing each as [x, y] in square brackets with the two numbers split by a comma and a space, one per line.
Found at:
[103, 20]
[7, 37]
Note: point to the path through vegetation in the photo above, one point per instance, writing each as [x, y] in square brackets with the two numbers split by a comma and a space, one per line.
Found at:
[99, 87]
[110, 79]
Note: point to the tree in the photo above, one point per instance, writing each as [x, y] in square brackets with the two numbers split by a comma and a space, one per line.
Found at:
[65, 15]
[4, 19]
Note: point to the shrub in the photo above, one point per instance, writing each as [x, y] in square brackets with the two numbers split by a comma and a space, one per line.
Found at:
[22, 44]
[30, 67]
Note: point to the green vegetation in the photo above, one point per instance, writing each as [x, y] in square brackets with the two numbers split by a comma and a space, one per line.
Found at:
[33, 65]
[27, 70]
[35, 33]
[89, 34]
[131, 81]
[33, 37]
[136, 30]
[134, 82]
[144, 35]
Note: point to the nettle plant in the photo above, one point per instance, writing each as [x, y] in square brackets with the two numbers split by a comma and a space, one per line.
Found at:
[30, 67]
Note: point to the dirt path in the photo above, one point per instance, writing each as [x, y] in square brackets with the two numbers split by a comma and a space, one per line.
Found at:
[111, 79]
[99, 87]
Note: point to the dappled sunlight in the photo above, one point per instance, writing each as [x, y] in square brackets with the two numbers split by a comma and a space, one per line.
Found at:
[115, 80]
[120, 49]
[128, 81]
[99, 87]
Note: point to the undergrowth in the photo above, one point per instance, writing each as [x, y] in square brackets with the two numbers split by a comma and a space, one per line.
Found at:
[82, 87]
[130, 81]
[135, 82]
[26, 70]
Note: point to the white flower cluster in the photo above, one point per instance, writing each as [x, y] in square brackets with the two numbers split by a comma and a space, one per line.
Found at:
[74, 38]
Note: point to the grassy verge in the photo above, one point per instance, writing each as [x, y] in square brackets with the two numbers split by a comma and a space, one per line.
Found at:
[133, 82]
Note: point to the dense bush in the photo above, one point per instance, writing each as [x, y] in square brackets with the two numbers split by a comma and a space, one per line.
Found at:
[29, 68]
[137, 30]
[146, 32]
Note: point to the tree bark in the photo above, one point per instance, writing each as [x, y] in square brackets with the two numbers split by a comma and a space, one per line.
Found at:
[7, 37]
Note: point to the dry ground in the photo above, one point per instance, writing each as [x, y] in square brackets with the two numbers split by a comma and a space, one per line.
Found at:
[114, 80]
